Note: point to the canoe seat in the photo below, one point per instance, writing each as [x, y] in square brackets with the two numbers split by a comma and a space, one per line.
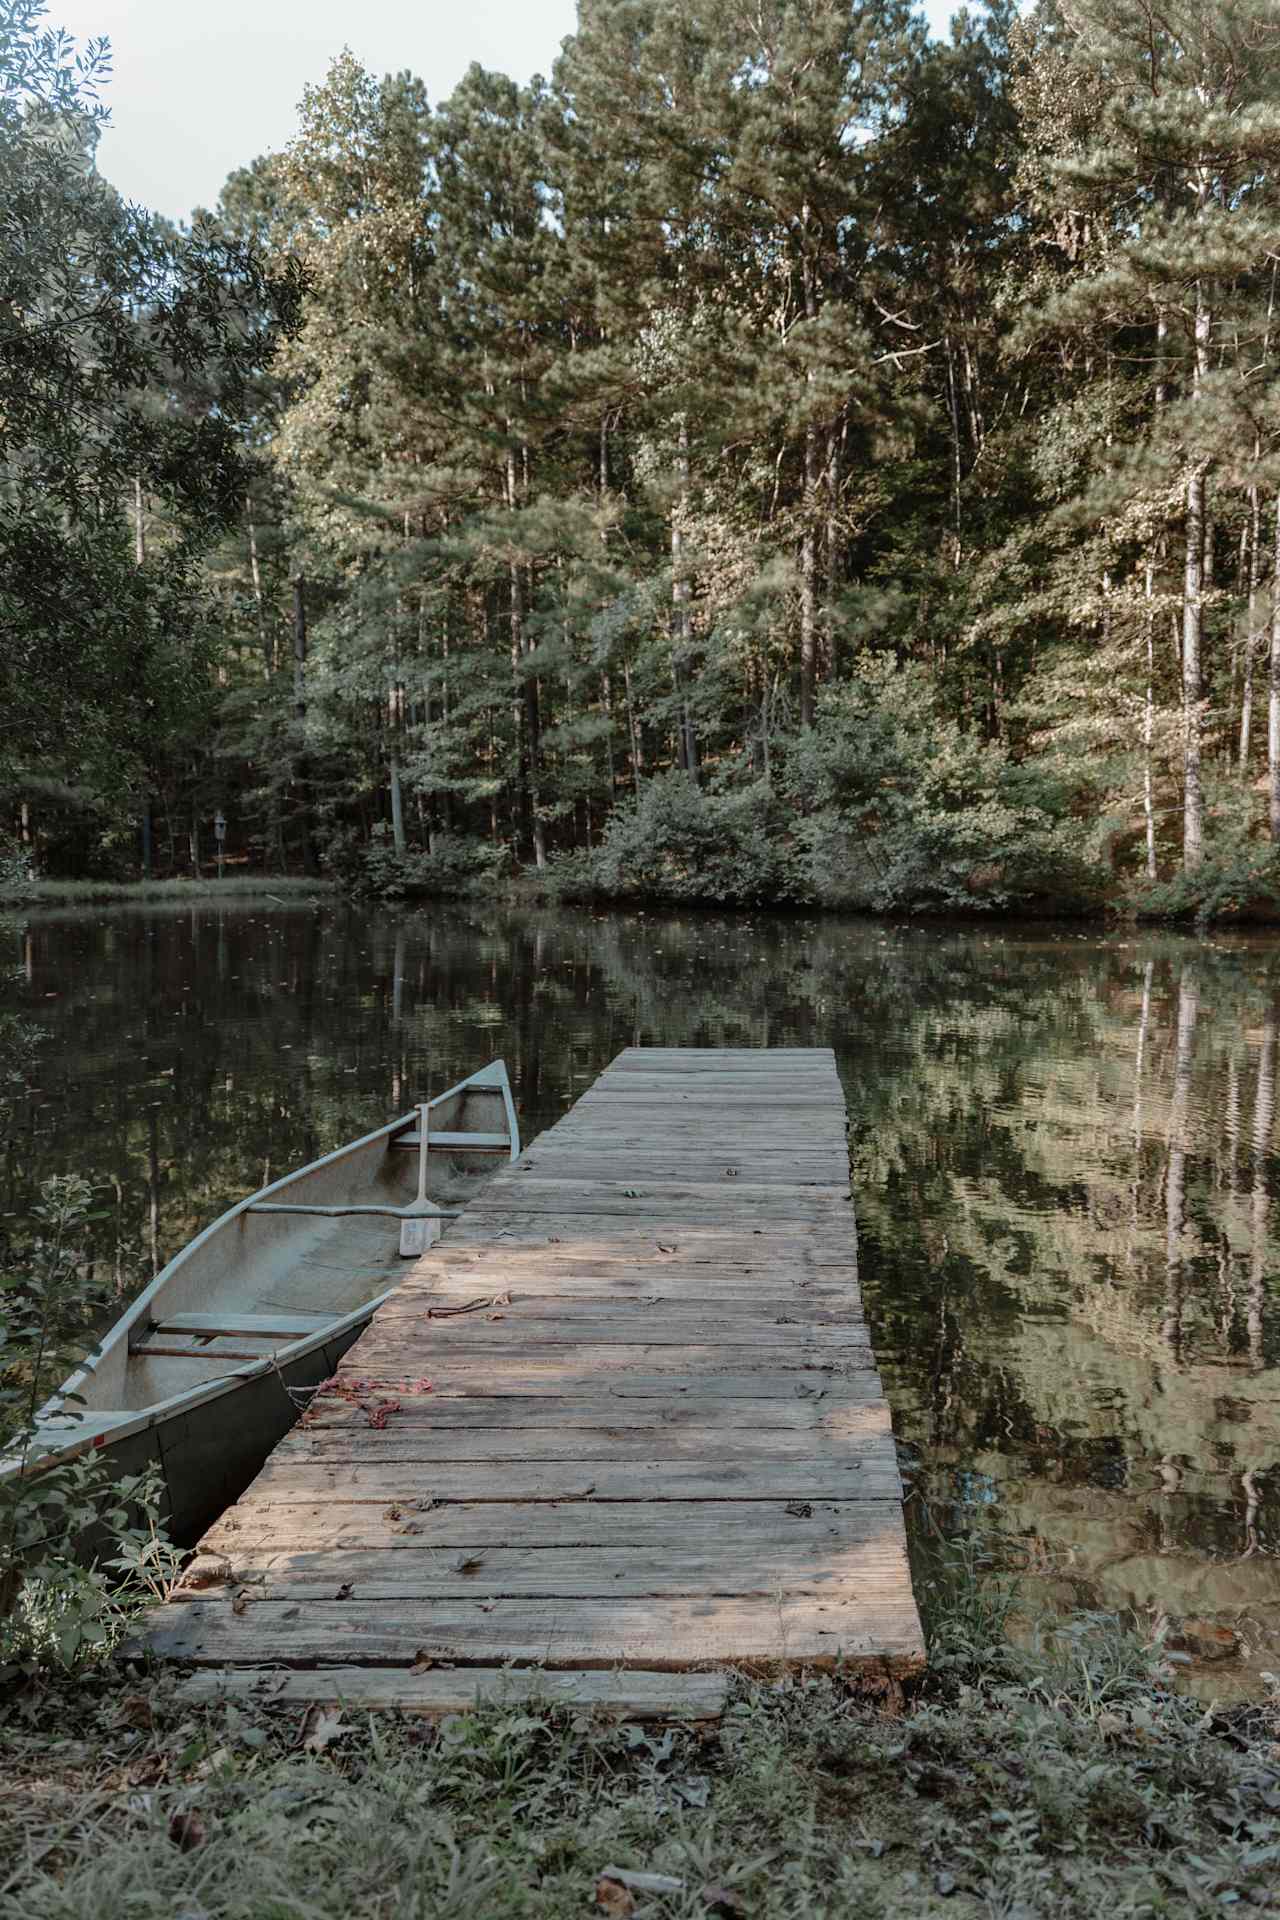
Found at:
[266, 1326]
[457, 1142]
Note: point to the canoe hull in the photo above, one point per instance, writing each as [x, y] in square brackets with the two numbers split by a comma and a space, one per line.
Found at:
[202, 1410]
[209, 1453]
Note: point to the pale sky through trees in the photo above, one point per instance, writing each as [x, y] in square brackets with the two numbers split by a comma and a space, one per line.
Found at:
[198, 91]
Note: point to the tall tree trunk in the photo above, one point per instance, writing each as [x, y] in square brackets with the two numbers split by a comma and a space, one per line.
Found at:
[526, 689]
[633, 729]
[139, 559]
[1192, 631]
[269, 662]
[606, 702]
[809, 531]
[301, 771]
[688, 745]
[1273, 694]
[953, 410]
[1148, 730]
[835, 447]
[1197, 502]
[394, 716]
[809, 578]
[1251, 621]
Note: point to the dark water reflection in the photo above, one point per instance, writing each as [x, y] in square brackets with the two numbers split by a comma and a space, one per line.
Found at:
[1063, 1153]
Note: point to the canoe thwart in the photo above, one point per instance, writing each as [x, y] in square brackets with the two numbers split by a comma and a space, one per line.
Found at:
[457, 1142]
[269, 1326]
[424, 1210]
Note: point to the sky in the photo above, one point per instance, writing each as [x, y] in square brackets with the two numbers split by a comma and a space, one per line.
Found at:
[200, 89]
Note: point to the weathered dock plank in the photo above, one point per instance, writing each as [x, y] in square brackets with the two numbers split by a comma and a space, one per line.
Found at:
[619, 1432]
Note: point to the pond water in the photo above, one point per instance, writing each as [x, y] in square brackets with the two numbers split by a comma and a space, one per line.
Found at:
[1063, 1151]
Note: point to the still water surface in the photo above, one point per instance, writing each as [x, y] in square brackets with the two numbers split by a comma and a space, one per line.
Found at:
[1063, 1152]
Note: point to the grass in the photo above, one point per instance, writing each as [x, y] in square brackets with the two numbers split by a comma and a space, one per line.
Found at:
[1065, 1779]
[234, 885]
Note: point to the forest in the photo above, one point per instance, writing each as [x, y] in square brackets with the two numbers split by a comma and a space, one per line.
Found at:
[780, 457]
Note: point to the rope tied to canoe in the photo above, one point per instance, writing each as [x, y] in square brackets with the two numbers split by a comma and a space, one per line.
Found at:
[470, 1306]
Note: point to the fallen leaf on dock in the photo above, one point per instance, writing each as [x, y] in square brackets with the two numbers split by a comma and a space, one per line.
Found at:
[239, 1601]
[212, 1574]
[799, 1509]
[345, 1591]
[422, 1660]
[468, 1563]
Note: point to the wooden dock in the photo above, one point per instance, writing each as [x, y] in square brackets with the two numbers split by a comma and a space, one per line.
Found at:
[618, 1434]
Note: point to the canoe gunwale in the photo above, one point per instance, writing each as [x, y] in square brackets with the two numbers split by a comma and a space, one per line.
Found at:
[92, 1432]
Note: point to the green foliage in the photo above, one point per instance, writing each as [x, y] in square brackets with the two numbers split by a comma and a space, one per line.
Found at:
[779, 398]
[56, 1607]
[1238, 881]
[678, 842]
[126, 355]
[452, 866]
[885, 804]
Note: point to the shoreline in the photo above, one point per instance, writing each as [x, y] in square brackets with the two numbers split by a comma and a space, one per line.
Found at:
[530, 892]
[287, 890]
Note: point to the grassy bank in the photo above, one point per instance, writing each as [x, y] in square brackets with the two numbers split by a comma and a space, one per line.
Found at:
[1058, 1781]
[247, 886]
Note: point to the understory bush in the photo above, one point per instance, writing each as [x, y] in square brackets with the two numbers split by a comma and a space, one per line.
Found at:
[1238, 879]
[884, 805]
[453, 865]
[678, 841]
[79, 1551]
[17, 870]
